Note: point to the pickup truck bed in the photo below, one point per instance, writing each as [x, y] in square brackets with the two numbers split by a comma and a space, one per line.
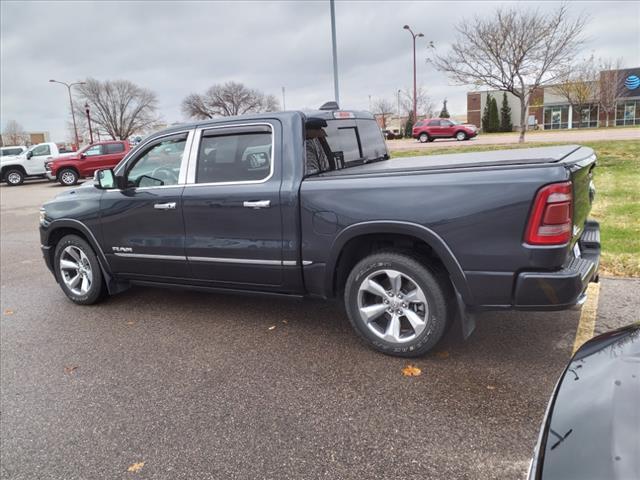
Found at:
[496, 158]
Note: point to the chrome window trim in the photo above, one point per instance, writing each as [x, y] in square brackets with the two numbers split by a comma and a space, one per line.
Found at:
[183, 162]
[193, 160]
[150, 256]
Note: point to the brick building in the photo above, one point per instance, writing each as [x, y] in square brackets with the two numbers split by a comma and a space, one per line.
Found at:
[550, 111]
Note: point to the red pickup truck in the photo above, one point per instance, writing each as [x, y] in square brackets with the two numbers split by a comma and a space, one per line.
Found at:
[67, 170]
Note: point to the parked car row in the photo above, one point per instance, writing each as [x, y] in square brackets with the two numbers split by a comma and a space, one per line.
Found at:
[46, 160]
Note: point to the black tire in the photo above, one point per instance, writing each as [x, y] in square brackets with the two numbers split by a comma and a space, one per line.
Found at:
[97, 289]
[424, 137]
[461, 136]
[68, 177]
[14, 177]
[431, 281]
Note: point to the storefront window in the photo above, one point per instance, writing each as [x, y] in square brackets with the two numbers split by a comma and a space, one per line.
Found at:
[585, 117]
[628, 113]
[556, 117]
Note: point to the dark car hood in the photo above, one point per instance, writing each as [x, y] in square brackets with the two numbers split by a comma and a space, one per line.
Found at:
[594, 422]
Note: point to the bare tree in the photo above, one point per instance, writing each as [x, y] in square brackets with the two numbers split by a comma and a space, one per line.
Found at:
[118, 107]
[579, 87]
[424, 104]
[610, 86]
[227, 100]
[384, 109]
[515, 50]
[13, 133]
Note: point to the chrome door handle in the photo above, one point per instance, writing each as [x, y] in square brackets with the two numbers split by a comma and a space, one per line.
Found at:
[165, 206]
[257, 204]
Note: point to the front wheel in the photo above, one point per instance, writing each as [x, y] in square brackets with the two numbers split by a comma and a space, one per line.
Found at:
[68, 177]
[78, 271]
[460, 136]
[14, 177]
[396, 304]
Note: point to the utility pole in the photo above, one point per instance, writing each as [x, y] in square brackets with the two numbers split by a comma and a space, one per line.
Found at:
[415, 89]
[399, 126]
[335, 52]
[284, 105]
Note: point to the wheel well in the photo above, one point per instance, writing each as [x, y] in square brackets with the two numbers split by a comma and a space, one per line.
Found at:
[360, 247]
[58, 234]
[6, 168]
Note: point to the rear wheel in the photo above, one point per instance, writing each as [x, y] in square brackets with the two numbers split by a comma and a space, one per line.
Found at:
[460, 136]
[424, 138]
[68, 177]
[396, 304]
[14, 176]
[78, 271]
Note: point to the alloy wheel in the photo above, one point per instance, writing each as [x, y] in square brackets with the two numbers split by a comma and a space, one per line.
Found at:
[75, 270]
[393, 306]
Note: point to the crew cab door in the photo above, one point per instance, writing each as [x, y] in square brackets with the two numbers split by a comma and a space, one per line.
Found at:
[91, 160]
[446, 128]
[142, 224]
[37, 158]
[231, 204]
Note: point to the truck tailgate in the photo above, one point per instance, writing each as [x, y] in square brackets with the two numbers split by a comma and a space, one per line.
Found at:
[581, 164]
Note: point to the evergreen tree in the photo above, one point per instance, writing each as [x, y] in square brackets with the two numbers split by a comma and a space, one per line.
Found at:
[408, 127]
[505, 115]
[494, 116]
[444, 113]
[485, 115]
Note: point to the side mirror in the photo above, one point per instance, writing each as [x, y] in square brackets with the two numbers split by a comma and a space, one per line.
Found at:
[83, 155]
[105, 179]
[29, 154]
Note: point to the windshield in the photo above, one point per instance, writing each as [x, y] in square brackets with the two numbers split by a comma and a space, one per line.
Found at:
[343, 144]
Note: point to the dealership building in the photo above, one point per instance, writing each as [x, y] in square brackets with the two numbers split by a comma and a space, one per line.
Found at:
[549, 110]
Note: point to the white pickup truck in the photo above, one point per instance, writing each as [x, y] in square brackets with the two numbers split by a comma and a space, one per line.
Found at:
[15, 168]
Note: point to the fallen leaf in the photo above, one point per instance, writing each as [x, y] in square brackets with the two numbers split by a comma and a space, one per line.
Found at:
[131, 322]
[285, 321]
[272, 327]
[443, 354]
[411, 371]
[70, 369]
[8, 311]
[136, 467]
[491, 387]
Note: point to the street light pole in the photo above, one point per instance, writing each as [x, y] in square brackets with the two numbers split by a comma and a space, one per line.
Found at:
[86, 109]
[335, 52]
[283, 102]
[415, 88]
[73, 115]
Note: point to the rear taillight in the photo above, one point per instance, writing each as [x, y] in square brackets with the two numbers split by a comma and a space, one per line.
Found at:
[550, 222]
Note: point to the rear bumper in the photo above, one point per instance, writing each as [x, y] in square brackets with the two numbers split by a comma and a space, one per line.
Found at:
[566, 287]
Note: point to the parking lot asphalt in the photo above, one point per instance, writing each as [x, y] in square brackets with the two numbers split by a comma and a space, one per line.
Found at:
[200, 385]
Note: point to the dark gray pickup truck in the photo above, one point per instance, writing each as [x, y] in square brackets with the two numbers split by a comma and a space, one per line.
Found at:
[309, 204]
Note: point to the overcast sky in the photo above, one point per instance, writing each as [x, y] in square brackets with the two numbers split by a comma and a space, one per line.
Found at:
[175, 48]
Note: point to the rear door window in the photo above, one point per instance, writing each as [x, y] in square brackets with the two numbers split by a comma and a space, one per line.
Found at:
[236, 155]
[111, 148]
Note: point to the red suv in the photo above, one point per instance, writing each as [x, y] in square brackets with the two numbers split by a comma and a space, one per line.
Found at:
[67, 170]
[429, 129]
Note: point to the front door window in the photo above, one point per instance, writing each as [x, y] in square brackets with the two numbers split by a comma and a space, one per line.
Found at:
[158, 165]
